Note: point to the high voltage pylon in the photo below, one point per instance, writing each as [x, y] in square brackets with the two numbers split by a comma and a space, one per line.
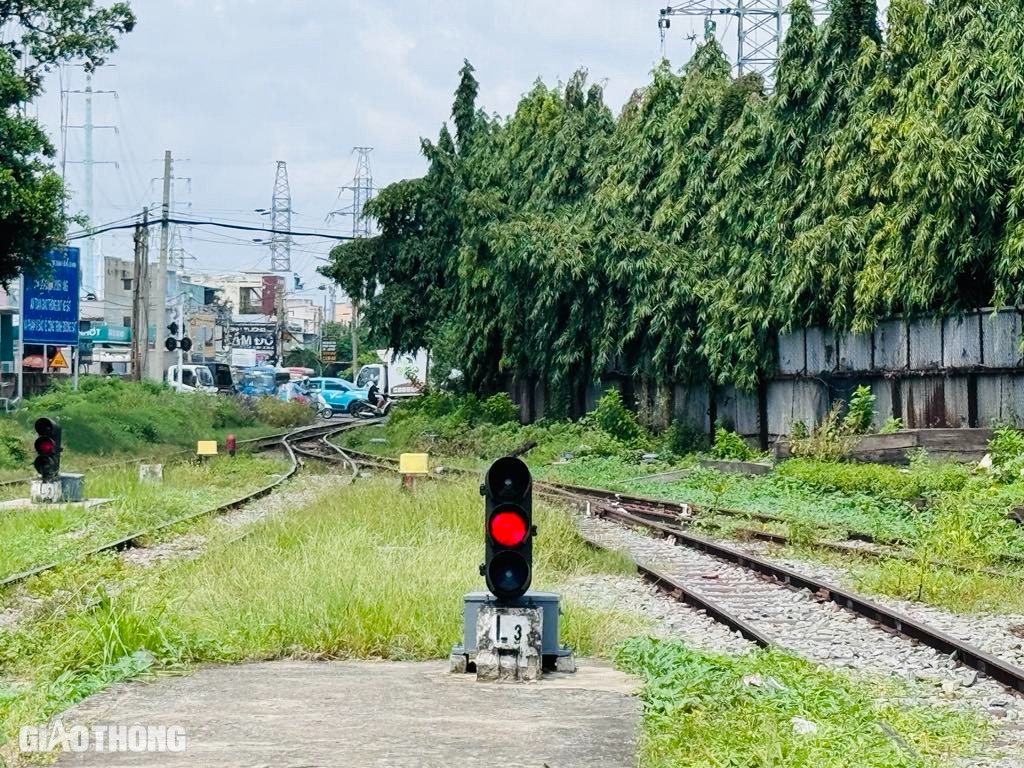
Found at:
[362, 190]
[92, 263]
[281, 222]
[758, 28]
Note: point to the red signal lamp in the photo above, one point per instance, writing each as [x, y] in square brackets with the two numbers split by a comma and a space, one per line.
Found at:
[45, 446]
[508, 528]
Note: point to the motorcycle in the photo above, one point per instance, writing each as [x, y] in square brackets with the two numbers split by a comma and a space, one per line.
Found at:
[364, 409]
[323, 410]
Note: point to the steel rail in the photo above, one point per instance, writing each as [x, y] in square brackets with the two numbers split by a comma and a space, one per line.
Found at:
[998, 669]
[284, 440]
[888, 619]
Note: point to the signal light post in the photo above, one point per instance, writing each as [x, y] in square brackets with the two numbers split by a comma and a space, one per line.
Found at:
[509, 529]
[48, 448]
[52, 486]
[510, 632]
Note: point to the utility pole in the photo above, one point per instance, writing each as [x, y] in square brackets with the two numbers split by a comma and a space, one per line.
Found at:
[282, 322]
[140, 321]
[354, 326]
[758, 28]
[160, 300]
[181, 335]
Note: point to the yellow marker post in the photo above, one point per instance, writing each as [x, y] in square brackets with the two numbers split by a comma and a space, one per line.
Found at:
[411, 465]
[206, 448]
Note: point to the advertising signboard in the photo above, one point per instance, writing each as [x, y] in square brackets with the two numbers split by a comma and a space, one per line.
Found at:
[261, 337]
[329, 351]
[50, 301]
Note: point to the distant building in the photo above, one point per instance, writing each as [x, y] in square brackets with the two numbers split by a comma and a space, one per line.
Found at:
[343, 312]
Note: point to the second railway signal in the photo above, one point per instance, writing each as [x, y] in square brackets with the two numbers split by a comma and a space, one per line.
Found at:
[48, 448]
[508, 528]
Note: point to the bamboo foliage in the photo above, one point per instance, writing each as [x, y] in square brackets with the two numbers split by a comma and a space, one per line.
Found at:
[671, 243]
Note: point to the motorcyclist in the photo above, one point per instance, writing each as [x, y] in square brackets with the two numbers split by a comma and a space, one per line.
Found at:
[373, 395]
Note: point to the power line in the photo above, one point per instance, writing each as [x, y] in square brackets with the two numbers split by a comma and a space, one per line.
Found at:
[208, 223]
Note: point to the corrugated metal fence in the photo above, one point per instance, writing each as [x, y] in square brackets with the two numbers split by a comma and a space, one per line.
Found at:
[958, 371]
[962, 371]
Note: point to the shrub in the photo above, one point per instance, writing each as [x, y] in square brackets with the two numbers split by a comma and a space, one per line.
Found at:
[861, 412]
[829, 441]
[283, 413]
[684, 438]
[233, 412]
[1007, 450]
[499, 409]
[13, 445]
[108, 415]
[111, 415]
[891, 427]
[614, 418]
[729, 445]
[924, 478]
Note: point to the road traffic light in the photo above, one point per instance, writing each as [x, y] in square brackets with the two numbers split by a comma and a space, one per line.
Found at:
[508, 528]
[48, 448]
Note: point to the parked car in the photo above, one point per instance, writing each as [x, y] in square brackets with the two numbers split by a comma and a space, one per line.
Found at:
[342, 396]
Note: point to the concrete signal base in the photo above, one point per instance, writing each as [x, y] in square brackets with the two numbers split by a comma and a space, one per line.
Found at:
[511, 640]
[508, 643]
[68, 488]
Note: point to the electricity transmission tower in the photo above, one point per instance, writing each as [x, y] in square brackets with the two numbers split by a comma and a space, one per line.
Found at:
[281, 222]
[362, 190]
[92, 263]
[758, 28]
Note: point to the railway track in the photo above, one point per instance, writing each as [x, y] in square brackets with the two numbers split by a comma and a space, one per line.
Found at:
[293, 443]
[749, 593]
[765, 602]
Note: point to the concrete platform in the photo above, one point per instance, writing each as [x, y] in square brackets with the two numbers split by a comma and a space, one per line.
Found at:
[372, 715]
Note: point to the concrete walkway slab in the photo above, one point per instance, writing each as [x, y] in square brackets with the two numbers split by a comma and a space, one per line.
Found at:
[291, 714]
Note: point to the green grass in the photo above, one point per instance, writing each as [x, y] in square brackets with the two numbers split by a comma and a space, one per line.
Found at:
[366, 572]
[704, 710]
[370, 571]
[941, 511]
[954, 590]
[42, 534]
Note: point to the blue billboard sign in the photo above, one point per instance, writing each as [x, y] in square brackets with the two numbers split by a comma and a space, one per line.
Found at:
[50, 301]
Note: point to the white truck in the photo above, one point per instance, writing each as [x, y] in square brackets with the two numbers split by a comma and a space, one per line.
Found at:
[396, 374]
[194, 378]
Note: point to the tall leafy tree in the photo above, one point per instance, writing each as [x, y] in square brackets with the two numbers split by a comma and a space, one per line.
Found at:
[672, 243]
[39, 34]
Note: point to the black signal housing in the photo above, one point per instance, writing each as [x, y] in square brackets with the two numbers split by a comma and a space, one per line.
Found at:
[48, 448]
[508, 528]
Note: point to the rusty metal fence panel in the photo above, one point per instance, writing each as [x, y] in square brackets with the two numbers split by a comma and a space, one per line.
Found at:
[961, 341]
[891, 346]
[821, 351]
[855, 352]
[1001, 339]
[792, 357]
[925, 343]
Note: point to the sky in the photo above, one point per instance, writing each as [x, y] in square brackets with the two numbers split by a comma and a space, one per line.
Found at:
[232, 86]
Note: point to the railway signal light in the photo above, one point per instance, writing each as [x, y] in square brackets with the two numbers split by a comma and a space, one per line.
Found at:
[508, 528]
[48, 448]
